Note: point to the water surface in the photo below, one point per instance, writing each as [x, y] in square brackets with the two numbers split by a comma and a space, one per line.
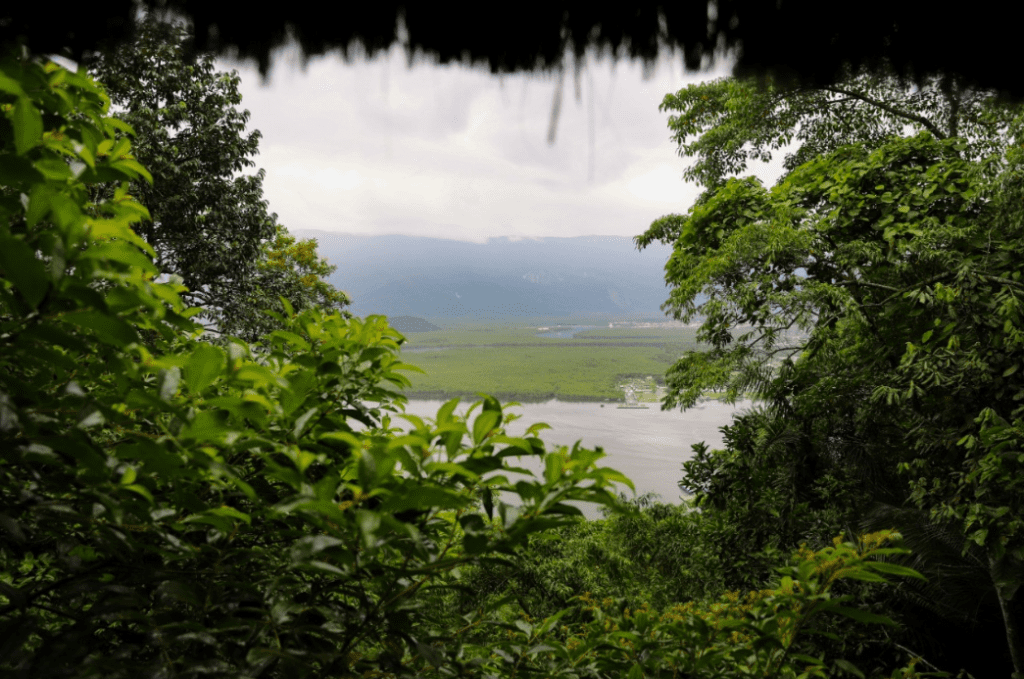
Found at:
[648, 446]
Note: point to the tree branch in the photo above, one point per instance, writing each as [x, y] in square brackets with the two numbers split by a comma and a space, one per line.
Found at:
[929, 125]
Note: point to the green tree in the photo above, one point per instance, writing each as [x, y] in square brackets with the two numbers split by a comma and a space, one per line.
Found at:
[870, 300]
[292, 269]
[176, 508]
[209, 227]
[726, 123]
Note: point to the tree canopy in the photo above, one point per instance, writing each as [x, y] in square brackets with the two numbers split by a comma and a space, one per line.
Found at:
[209, 225]
[870, 299]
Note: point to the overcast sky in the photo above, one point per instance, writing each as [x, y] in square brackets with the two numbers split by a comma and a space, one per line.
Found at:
[374, 147]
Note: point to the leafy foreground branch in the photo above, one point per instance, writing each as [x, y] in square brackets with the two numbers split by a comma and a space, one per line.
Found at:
[172, 508]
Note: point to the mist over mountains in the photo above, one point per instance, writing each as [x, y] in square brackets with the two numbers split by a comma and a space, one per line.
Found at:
[589, 276]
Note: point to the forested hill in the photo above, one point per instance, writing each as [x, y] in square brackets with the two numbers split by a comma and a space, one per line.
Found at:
[435, 278]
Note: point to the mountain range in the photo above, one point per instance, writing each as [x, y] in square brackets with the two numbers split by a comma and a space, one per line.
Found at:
[600, 277]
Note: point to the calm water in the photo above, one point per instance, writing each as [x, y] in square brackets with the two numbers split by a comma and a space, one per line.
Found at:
[648, 446]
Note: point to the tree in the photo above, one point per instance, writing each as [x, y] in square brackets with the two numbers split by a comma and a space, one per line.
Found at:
[209, 227]
[733, 121]
[174, 507]
[291, 269]
[870, 299]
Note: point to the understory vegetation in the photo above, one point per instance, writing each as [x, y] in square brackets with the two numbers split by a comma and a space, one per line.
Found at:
[178, 502]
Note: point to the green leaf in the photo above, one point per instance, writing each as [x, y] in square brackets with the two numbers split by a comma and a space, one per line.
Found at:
[367, 468]
[534, 428]
[231, 512]
[554, 467]
[54, 169]
[11, 86]
[28, 125]
[865, 575]
[369, 524]
[453, 469]
[300, 423]
[139, 489]
[484, 424]
[132, 168]
[204, 365]
[291, 338]
[893, 569]
[444, 413]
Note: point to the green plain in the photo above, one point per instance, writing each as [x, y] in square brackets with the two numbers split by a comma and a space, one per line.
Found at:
[511, 362]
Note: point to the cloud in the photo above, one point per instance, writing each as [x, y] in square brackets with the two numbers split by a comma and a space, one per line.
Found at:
[452, 152]
[662, 184]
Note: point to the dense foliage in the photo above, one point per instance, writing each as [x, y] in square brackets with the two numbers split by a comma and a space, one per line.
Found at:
[208, 224]
[174, 508]
[880, 281]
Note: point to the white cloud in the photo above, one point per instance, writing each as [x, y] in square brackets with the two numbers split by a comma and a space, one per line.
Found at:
[376, 147]
[663, 184]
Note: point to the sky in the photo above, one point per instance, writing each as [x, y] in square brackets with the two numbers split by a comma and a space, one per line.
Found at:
[376, 147]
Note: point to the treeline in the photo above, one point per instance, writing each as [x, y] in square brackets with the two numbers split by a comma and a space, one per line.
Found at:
[176, 503]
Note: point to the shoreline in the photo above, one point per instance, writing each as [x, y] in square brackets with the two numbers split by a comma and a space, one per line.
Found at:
[534, 399]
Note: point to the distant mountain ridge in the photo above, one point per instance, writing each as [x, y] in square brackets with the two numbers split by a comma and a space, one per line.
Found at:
[436, 279]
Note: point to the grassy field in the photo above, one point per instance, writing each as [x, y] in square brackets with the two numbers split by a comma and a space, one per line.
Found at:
[513, 363]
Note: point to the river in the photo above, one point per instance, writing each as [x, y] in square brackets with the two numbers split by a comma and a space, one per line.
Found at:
[648, 446]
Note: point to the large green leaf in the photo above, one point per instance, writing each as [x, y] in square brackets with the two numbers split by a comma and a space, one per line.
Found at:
[28, 125]
[205, 364]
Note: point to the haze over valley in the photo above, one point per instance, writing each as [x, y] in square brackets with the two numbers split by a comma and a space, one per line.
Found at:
[598, 277]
